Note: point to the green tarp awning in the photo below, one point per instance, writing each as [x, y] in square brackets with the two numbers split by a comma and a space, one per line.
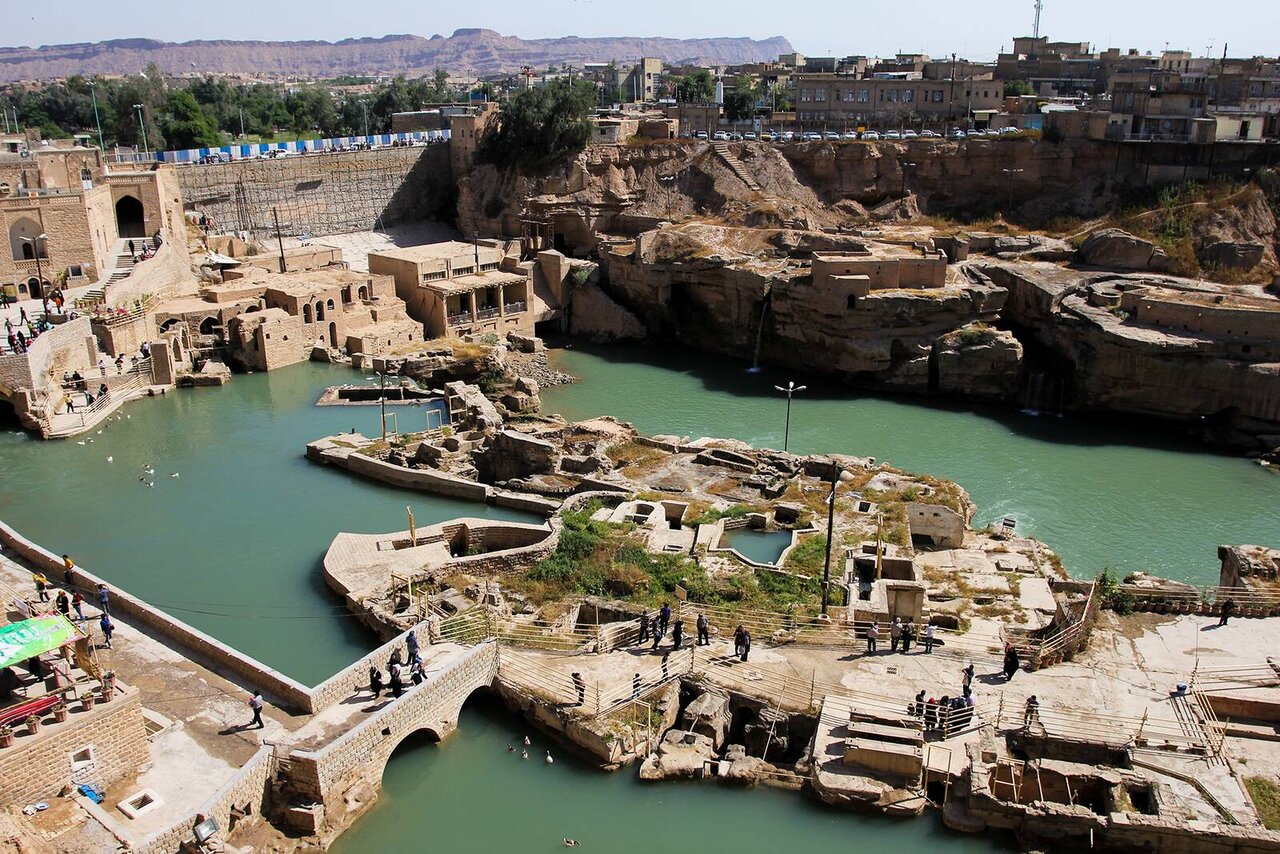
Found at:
[29, 638]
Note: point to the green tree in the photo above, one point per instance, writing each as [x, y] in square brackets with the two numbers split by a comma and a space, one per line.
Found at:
[541, 126]
[696, 88]
[1014, 88]
[740, 101]
[185, 125]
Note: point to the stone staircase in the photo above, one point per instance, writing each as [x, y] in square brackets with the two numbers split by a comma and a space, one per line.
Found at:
[121, 270]
[736, 166]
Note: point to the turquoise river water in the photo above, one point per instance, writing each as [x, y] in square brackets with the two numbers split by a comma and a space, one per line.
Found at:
[233, 545]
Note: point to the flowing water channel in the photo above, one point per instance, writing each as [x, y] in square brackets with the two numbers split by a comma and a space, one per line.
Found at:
[233, 545]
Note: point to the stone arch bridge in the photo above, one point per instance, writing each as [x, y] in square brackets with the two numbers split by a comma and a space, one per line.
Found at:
[344, 774]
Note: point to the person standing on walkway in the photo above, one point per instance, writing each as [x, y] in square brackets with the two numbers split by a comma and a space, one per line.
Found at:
[1010, 661]
[580, 685]
[967, 677]
[664, 618]
[108, 628]
[132, 251]
[415, 671]
[42, 586]
[635, 686]
[746, 644]
[411, 642]
[63, 603]
[77, 603]
[1228, 608]
[908, 635]
[104, 598]
[68, 571]
[677, 634]
[928, 639]
[704, 631]
[644, 626]
[255, 703]
[873, 637]
[1032, 712]
[375, 681]
[895, 635]
[395, 681]
[658, 631]
[737, 641]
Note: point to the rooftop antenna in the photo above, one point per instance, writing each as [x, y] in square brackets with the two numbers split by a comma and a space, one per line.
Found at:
[1036, 30]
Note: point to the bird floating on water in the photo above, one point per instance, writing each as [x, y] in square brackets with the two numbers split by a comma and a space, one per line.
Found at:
[524, 754]
[174, 474]
[110, 459]
[550, 761]
[527, 741]
[81, 442]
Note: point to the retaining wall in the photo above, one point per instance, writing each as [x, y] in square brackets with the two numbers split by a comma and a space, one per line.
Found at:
[425, 480]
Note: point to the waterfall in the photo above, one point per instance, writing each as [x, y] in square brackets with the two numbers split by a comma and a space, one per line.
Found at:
[764, 310]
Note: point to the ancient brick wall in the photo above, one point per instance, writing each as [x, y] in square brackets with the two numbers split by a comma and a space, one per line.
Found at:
[322, 194]
[36, 767]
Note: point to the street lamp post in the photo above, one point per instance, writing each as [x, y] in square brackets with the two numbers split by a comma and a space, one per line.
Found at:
[142, 123]
[93, 92]
[382, 399]
[1011, 173]
[668, 181]
[791, 389]
[831, 524]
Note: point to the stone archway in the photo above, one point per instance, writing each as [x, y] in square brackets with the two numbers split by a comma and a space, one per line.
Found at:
[333, 334]
[24, 242]
[131, 219]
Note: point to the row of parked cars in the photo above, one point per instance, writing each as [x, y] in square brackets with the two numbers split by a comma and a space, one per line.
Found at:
[835, 136]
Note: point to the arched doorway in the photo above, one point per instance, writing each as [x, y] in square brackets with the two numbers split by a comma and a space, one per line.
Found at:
[333, 334]
[208, 325]
[306, 313]
[24, 240]
[35, 289]
[130, 218]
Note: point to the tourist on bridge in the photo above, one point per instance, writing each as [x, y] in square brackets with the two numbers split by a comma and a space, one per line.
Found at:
[394, 660]
[415, 670]
[395, 681]
[737, 641]
[873, 637]
[108, 628]
[677, 634]
[704, 633]
[746, 644]
[375, 681]
[664, 618]
[63, 603]
[68, 571]
[580, 685]
[928, 638]
[635, 686]
[908, 635]
[895, 634]
[1010, 661]
[104, 598]
[1032, 712]
[42, 586]
[1228, 608]
[967, 675]
[411, 642]
[255, 703]
[77, 604]
[644, 626]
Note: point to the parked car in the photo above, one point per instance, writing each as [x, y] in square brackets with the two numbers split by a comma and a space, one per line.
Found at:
[871, 134]
[749, 136]
[812, 136]
[721, 136]
[892, 134]
[930, 134]
[1010, 131]
[849, 134]
[702, 134]
[768, 136]
[788, 135]
[956, 133]
[910, 134]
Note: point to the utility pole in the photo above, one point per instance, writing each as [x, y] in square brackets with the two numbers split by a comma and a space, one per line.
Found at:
[142, 124]
[831, 522]
[1036, 30]
[284, 268]
[791, 389]
[93, 91]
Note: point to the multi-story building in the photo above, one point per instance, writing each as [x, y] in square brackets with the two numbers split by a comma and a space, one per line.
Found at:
[63, 207]
[906, 97]
[456, 288]
[627, 84]
[1197, 99]
[1066, 69]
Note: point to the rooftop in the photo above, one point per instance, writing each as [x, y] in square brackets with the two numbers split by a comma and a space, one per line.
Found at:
[466, 284]
[430, 251]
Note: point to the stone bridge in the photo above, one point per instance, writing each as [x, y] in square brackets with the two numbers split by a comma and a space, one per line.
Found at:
[343, 775]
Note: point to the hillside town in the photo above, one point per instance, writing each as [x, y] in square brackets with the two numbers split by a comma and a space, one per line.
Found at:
[295, 486]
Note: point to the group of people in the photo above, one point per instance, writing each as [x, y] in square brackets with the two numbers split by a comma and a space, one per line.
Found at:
[396, 670]
[69, 599]
[655, 629]
[946, 713]
[901, 636]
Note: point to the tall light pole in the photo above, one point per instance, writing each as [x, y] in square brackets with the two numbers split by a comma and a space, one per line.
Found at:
[831, 532]
[142, 123]
[791, 389]
[93, 92]
[1011, 173]
[364, 105]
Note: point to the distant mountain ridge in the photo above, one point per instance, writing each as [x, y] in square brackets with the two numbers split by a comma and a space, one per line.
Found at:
[475, 51]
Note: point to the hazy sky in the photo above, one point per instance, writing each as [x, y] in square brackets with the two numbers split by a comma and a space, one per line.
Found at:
[975, 28]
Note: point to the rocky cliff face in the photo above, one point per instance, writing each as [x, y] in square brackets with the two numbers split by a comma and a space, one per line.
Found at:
[476, 51]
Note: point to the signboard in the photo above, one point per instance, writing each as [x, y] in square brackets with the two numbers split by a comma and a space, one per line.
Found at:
[29, 638]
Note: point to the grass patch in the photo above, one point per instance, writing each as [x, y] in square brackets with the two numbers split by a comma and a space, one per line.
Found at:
[1266, 797]
[633, 455]
[808, 556]
[714, 514]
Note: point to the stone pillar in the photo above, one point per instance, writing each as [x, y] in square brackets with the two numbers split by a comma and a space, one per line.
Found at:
[471, 306]
[164, 371]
